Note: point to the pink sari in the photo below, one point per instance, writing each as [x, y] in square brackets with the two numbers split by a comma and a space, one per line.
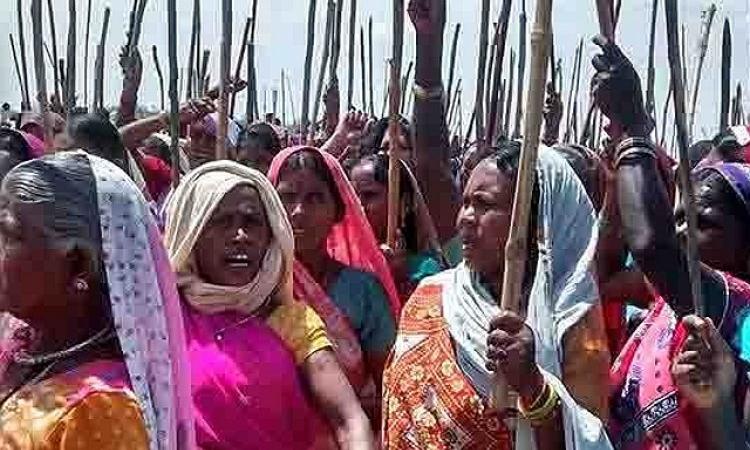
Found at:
[352, 243]
[647, 411]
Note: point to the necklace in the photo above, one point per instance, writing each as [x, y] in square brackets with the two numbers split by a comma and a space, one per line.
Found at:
[24, 359]
[260, 312]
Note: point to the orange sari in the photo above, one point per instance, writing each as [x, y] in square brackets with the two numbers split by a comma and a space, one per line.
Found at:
[428, 402]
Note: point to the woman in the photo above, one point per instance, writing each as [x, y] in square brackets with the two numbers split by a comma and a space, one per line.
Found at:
[339, 269]
[17, 147]
[701, 404]
[438, 384]
[257, 146]
[102, 363]
[419, 243]
[231, 245]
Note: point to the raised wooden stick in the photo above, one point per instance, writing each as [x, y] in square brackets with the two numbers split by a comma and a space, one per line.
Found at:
[664, 112]
[726, 74]
[404, 87]
[203, 72]
[174, 99]
[371, 70]
[86, 44]
[70, 78]
[41, 79]
[394, 127]
[53, 44]
[481, 70]
[521, 69]
[15, 62]
[252, 94]
[283, 99]
[160, 76]
[571, 92]
[26, 104]
[352, 46]
[193, 52]
[516, 248]
[495, 104]
[225, 64]
[99, 64]
[254, 83]
[650, 101]
[686, 188]
[330, 17]
[364, 67]
[452, 64]
[490, 72]
[308, 67]
[240, 64]
[606, 12]
[708, 21]
[336, 43]
[509, 94]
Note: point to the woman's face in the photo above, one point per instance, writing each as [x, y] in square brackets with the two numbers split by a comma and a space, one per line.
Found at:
[310, 205]
[33, 275]
[484, 219]
[253, 155]
[373, 196]
[231, 248]
[721, 236]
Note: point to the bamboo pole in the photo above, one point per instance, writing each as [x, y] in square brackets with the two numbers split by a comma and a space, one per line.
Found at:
[53, 43]
[202, 73]
[509, 94]
[606, 13]
[336, 43]
[664, 112]
[283, 99]
[571, 92]
[708, 21]
[516, 248]
[240, 64]
[87, 43]
[193, 48]
[308, 67]
[26, 104]
[71, 58]
[99, 64]
[15, 63]
[41, 78]
[726, 74]
[452, 64]
[352, 46]
[225, 64]
[452, 109]
[159, 75]
[371, 70]
[481, 69]
[330, 17]
[495, 105]
[251, 110]
[364, 67]
[254, 69]
[574, 113]
[394, 127]
[386, 85]
[489, 73]
[650, 101]
[291, 100]
[61, 68]
[521, 69]
[404, 87]
[137, 25]
[174, 100]
[686, 191]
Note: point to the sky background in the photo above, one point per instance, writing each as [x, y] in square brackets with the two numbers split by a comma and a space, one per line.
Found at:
[281, 39]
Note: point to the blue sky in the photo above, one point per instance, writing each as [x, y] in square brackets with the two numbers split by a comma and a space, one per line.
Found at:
[282, 31]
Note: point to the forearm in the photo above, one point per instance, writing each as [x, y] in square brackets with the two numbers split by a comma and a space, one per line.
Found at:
[134, 133]
[336, 144]
[128, 102]
[355, 433]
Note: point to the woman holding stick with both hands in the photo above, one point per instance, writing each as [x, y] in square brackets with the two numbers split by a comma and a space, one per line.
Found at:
[677, 382]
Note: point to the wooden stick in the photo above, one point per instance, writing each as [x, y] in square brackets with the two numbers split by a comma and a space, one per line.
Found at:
[686, 191]
[371, 70]
[336, 43]
[452, 109]
[516, 248]
[664, 115]
[283, 99]
[495, 105]
[386, 85]
[41, 79]
[137, 25]
[452, 64]
[404, 86]
[606, 14]
[225, 64]
[481, 70]
[352, 45]
[26, 104]
[308, 67]
[63, 77]
[364, 67]
[521, 69]
[686, 63]
[274, 102]
[291, 101]
[202, 73]
[330, 17]
[489, 73]
[726, 73]
[650, 101]
[53, 44]
[571, 90]
[15, 63]
[394, 127]
[509, 94]
[174, 100]
[251, 109]
[240, 64]
[160, 75]
[192, 55]
[574, 118]
[71, 58]
[708, 21]
[99, 64]
[87, 43]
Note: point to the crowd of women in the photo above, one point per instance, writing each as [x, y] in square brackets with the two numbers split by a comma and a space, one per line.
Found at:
[254, 305]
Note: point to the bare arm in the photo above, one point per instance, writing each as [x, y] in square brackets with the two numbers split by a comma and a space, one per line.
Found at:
[336, 399]
[132, 68]
[135, 132]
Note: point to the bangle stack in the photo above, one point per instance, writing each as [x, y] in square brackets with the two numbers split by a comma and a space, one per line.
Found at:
[634, 147]
[543, 408]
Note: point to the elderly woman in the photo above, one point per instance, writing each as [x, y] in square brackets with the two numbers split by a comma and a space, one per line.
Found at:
[249, 340]
[101, 363]
[452, 334]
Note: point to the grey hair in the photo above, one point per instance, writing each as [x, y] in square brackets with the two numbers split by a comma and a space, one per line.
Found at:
[63, 186]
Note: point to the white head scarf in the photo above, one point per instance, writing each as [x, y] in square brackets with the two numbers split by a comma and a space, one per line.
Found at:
[189, 210]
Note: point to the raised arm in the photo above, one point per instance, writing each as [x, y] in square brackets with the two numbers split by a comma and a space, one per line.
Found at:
[431, 146]
[135, 132]
[132, 71]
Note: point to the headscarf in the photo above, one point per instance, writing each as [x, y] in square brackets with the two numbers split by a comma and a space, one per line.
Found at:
[737, 176]
[189, 210]
[564, 290]
[145, 307]
[351, 241]
[34, 145]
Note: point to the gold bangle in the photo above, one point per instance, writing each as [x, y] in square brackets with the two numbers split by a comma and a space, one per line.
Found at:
[543, 412]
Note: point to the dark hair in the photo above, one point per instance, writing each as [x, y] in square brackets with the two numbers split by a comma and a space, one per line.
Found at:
[98, 136]
[163, 151]
[726, 198]
[698, 151]
[587, 168]
[374, 137]
[263, 135]
[311, 159]
[506, 158]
